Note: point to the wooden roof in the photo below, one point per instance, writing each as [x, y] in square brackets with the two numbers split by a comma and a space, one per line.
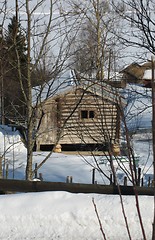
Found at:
[102, 89]
[135, 71]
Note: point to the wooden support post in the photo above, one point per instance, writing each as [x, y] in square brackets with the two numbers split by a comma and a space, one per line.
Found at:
[69, 179]
[7, 171]
[125, 181]
[36, 173]
[142, 182]
[41, 176]
[93, 176]
[1, 171]
[139, 176]
[149, 182]
[110, 179]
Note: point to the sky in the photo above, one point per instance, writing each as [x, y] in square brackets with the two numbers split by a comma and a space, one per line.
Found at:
[126, 55]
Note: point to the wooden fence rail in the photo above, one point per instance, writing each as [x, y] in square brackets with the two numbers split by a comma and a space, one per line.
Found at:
[7, 185]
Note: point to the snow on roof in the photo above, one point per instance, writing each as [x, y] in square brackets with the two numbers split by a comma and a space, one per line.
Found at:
[67, 81]
[147, 74]
[112, 76]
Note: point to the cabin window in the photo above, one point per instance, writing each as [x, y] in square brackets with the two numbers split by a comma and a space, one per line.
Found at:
[91, 114]
[85, 114]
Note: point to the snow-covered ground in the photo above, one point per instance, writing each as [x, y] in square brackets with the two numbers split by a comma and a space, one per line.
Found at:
[66, 216]
[139, 107]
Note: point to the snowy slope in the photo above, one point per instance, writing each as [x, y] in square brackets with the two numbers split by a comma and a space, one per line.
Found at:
[138, 111]
[66, 216]
[61, 165]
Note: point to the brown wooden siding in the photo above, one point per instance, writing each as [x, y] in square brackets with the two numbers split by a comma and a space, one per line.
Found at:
[102, 128]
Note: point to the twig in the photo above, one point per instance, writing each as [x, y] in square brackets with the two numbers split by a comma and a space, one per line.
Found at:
[98, 217]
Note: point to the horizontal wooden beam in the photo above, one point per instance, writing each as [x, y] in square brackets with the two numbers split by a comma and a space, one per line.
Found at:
[40, 186]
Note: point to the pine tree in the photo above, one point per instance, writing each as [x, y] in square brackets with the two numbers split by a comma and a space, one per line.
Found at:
[15, 77]
[16, 43]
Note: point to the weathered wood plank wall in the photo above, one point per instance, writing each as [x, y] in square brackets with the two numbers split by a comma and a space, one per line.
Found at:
[101, 127]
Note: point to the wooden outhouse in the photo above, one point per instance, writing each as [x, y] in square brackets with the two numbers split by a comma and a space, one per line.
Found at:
[83, 116]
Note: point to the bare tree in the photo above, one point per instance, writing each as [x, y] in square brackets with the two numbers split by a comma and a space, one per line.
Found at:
[138, 17]
[46, 35]
[96, 47]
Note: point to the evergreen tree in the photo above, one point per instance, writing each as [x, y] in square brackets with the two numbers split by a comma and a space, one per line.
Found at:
[16, 44]
[15, 77]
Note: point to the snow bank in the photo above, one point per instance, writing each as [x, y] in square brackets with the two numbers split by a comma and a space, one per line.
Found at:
[66, 216]
[10, 140]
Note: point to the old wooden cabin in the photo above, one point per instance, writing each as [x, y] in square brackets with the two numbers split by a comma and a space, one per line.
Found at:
[82, 117]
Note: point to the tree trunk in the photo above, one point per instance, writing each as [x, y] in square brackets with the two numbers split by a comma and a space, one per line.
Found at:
[29, 100]
[153, 134]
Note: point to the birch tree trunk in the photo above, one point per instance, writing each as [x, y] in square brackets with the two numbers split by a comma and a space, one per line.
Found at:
[29, 99]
